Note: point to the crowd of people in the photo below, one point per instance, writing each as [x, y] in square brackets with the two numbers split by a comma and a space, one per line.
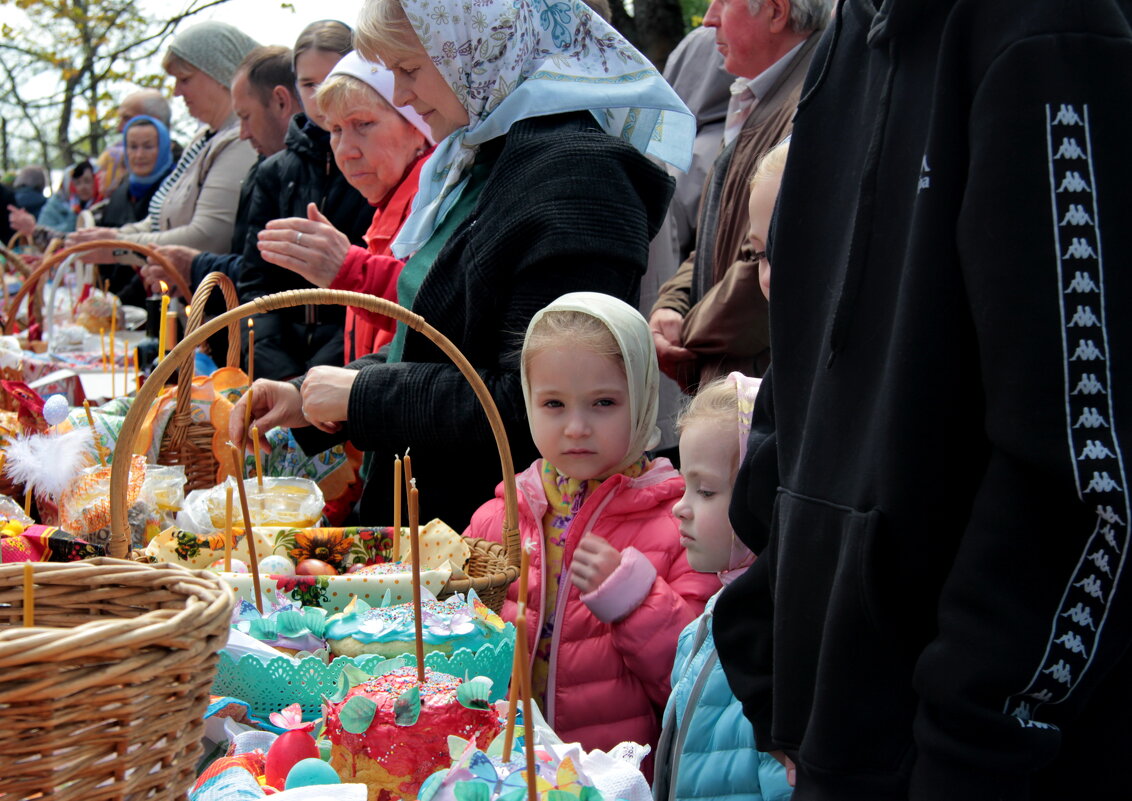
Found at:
[863, 541]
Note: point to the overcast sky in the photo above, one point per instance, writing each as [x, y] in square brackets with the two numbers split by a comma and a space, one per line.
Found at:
[268, 22]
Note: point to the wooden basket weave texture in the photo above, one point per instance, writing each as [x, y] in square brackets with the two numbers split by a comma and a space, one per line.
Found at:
[103, 699]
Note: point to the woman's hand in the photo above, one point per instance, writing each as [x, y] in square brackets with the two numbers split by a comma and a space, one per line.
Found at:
[313, 247]
[100, 256]
[326, 396]
[21, 221]
[274, 404]
[180, 259]
[594, 561]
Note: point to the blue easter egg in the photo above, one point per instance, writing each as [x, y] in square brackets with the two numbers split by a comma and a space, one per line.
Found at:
[309, 773]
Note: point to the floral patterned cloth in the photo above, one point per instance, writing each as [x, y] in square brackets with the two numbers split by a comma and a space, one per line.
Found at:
[46, 544]
[509, 60]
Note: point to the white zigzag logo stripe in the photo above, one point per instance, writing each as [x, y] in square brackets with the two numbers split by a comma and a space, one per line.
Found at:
[1094, 450]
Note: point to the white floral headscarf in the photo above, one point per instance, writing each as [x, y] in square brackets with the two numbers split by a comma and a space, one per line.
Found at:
[509, 60]
[631, 331]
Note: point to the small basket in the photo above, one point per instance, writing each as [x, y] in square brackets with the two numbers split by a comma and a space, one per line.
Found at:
[492, 566]
[104, 698]
[50, 262]
[185, 442]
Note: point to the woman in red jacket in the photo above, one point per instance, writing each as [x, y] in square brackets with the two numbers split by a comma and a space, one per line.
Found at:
[380, 149]
[610, 586]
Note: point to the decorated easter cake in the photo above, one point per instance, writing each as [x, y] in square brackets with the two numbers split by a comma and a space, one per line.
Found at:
[391, 732]
[389, 630]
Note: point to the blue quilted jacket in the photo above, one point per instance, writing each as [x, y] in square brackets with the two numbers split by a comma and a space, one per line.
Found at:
[707, 749]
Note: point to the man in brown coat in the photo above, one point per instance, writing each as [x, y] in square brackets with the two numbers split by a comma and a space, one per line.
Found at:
[710, 317]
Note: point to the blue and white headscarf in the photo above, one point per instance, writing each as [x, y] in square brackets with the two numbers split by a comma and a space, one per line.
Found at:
[139, 184]
[509, 60]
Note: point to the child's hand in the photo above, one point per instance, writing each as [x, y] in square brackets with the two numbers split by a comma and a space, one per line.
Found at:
[594, 561]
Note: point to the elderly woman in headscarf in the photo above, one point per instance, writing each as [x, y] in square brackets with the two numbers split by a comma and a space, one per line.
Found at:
[539, 185]
[196, 204]
[148, 159]
[380, 149]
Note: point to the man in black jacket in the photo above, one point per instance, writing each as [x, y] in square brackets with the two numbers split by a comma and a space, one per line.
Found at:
[935, 483]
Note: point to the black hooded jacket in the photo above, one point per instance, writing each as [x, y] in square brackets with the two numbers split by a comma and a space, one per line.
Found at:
[935, 483]
[290, 341]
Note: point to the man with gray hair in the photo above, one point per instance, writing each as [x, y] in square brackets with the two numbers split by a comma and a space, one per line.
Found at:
[710, 317]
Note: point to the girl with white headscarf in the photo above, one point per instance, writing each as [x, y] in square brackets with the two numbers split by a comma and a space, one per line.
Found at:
[610, 587]
[540, 185]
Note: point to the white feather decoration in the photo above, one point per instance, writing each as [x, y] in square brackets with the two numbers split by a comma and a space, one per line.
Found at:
[49, 462]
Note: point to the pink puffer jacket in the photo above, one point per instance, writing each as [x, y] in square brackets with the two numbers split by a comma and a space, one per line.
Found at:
[613, 649]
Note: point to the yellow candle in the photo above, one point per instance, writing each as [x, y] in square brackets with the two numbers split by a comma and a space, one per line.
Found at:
[254, 430]
[397, 509]
[29, 594]
[415, 545]
[102, 343]
[113, 347]
[228, 530]
[27, 501]
[247, 422]
[251, 351]
[164, 311]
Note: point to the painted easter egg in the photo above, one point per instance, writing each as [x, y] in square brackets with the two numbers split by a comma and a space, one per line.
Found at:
[237, 566]
[290, 748]
[311, 773]
[277, 565]
[314, 567]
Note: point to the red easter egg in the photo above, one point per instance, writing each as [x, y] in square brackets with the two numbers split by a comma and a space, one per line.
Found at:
[289, 748]
[356, 567]
[314, 567]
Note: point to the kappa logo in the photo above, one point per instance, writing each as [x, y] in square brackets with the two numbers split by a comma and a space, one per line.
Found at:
[1082, 282]
[1102, 482]
[1091, 586]
[1080, 248]
[1081, 615]
[1073, 642]
[1090, 418]
[1076, 215]
[1084, 318]
[1089, 385]
[1073, 182]
[1095, 449]
[1070, 149]
[925, 181]
[1067, 115]
[1087, 350]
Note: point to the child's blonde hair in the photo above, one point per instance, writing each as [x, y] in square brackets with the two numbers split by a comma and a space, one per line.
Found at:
[578, 329]
[771, 165]
[717, 402]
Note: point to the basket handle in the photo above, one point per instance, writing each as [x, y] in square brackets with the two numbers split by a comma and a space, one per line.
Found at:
[179, 422]
[15, 259]
[53, 260]
[131, 426]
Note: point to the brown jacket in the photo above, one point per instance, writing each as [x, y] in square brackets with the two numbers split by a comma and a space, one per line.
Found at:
[726, 325]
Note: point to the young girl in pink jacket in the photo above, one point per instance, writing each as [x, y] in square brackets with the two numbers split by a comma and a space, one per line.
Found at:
[610, 586]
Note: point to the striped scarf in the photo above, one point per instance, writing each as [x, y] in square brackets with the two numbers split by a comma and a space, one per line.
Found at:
[187, 158]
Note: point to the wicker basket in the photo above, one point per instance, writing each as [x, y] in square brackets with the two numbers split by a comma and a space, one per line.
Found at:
[187, 443]
[104, 698]
[13, 260]
[492, 566]
[53, 260]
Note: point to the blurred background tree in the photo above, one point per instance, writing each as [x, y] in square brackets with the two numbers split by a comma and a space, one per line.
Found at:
[657, 26]
[60, 61]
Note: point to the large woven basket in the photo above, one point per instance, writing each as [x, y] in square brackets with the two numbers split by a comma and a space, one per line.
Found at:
[492, 566]
[185, 442]
[103, 699]
[53, 260]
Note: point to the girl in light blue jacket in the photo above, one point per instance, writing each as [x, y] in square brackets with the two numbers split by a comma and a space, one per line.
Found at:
[707, 747]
